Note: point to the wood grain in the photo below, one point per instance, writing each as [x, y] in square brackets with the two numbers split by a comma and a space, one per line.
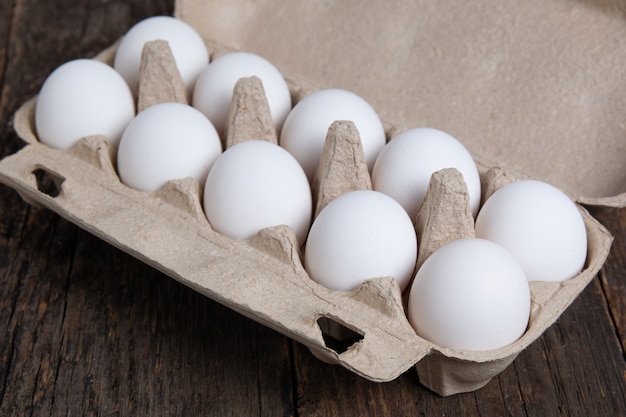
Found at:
[88, 330]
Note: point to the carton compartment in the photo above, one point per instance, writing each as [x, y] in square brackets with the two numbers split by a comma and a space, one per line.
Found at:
[365, 330]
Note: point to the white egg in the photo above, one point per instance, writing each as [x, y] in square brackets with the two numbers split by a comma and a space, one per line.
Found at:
[404, 167]
[358, 236]
[80, 98]
[213, 92]
[254, 185]
[470, 294]
[164, 142]
[306, 126]
[539, 225]
[189, 50]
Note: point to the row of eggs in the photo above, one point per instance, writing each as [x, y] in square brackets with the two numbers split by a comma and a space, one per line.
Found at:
[470, 294]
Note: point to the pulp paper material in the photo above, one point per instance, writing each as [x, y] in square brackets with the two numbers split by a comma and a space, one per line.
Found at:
[536, 86]
[159, 79]
[445, 215]
[342, 166]
[244, 124]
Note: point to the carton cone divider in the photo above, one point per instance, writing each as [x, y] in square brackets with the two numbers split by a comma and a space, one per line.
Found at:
[249, 116]
[159, 78]
[342, 166]
[445, 214]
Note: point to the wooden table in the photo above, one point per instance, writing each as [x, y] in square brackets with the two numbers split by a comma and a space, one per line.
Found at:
[88, 330]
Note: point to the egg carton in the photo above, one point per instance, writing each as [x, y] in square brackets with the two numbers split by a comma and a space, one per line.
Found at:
[365, 330]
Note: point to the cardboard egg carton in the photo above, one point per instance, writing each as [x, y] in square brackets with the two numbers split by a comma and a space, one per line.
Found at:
[365, 330]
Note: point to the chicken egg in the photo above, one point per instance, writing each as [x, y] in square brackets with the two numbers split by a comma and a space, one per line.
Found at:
[470, 294]
[189, 50]
[306, 126]
[358, 236]
[213, 92]
[83, 97]
[540, 225]
[164, 142]
[404, 167]
[254, 185]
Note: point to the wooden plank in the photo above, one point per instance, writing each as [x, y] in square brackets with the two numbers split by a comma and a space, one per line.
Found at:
[148, 344]
[6, 9]
[96, 330]
[613, 274]
[578, 366]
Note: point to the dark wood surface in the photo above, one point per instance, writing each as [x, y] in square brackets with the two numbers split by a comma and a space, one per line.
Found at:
[89, 330]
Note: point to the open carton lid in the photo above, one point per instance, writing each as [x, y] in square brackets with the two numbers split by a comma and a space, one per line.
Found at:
[536, 87]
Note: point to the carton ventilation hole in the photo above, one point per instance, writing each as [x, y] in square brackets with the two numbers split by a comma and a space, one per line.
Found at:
[337, 336]
[48, 182]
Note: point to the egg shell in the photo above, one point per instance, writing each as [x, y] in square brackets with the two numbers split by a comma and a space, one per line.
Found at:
[254, 185]
[213, 91]
[307, 124]
[83, 97]
[540, 225]
[470, 294]
[358, 236]
[187, 46]
[164, 142]
[404, 166]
